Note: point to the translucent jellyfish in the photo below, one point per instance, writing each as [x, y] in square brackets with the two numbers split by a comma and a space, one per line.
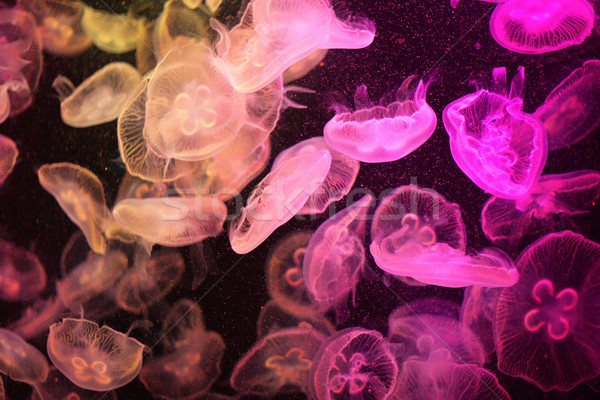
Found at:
[338, 181]
[20, 60]
[58, 387]
[99, 98]
[274, 35]
[546, 325]
[539, 26]
[568, 114]
[304, 66]
[385, 132]
[20, 360]
[37, 318]
[477, 313]
[172, 221]
[278, 362]
[421, 380]
[8, 157]
[277, 198]
[335, 258]
[500, 148]
[94, 358]
[112, 33]
[547, 208]
[80, 195]
[353, 364]
[22, 275]
[273, 318]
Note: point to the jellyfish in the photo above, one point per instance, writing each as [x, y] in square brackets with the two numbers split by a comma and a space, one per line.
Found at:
[335, 258]
[385, 132]
[304, 66]
[547, 208]
[338, 181]
[8, 157]
[538, 26]
[500, 148]
[354, 363]
[477, 313]
[273, 318]
[22, 275]
[568, 114]
[58, 387]
[91, 357]
[80, 195]
[21, 361]
[545, 327]
[99, 98]
[277, 198]
[112, 33]
[278, 362]
[36, 319]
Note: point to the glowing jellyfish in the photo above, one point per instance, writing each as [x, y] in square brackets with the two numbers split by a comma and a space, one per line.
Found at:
[58, 387]
[337, 183]
[80, 195]
[539, 26]
[94, 358]
[36, 319]
[353, 364]
[277, 198]
[568, 114]
[477, 313]
[274, 35]
[20, 360]
[500, 148]
[273, 318]
[382, 133]
[547, 208]
[304, 66]
[22, 275]
[335, 258]
[8, 157]
[278, 362]
[99, 98]
[112, 33]
[545, 326]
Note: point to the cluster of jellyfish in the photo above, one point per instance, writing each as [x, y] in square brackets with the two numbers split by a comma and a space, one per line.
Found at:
[193, 122]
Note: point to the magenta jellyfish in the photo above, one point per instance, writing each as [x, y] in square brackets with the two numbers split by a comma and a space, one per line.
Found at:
[385, 132]
[22, 275]
[500, 148]
[540, 26]
[546, 326]
[477, 313]
[569, 112]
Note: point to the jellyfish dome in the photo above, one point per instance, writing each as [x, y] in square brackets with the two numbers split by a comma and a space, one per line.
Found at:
[540, 26]
[22, 275]
[500, 148]
[20, 360]
[8, 157]
[376, 133]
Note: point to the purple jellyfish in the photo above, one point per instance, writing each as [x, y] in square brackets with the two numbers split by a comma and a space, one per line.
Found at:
[477, 313]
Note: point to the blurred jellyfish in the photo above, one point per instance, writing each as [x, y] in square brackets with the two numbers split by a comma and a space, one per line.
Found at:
[99, 98]
[36, 319]
[337, 183]
[304, 66]
[547, 208]
[278, 362]
[538, 26]
[112, 33]
[545, 326]
[353, 364]
[335, 258]
[477, 313]
[8, 157]
[499, 147]
[145, 60]
[58, 387]
[22, 275]
[385, 132]
[80, 195]
[21, 361]
[568, 114]
[94, 358]
[273, 318]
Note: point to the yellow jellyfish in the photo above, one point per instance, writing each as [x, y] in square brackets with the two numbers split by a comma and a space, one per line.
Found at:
[112, 33]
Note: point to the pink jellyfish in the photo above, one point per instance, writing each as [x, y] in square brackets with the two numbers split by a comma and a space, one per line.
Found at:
[58, 387]
[22, 275]
[8, 157]
[477, 313]
[499, 147]
[20, 360]
[546, 326]
[540, 26]
[385, 132]
[273, 318]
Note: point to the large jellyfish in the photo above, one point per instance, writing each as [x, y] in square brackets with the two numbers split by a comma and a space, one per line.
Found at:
[546, 326]
[385, 132]
[540, 26]
[110, 32]
[22, 275]
[8, 157]
[500, 148]
[20, 360]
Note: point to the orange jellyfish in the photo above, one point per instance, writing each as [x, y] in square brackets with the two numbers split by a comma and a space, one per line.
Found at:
[21, 361]
[112, 33]
[22, 275]
[58, 387]
[8, 157]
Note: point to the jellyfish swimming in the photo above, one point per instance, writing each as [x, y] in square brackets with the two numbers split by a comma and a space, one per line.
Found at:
[58, 387]
[22, 275]
[20, 360]
[477, 313]
[8, 157]
[112, 33]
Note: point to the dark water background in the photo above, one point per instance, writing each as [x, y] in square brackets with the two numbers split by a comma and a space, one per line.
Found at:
[426, 38]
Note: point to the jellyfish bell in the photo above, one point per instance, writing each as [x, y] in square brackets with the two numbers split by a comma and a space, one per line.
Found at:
[8, 157]
[22, 275]
[21, 361]
[110, 32]
[37, 318]
[58, 387]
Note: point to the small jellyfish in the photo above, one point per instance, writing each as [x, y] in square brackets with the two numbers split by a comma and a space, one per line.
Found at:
[499, 147]
[569, 112]
[353, 364]
[383, 133]
[278, 362]
[21, 361]
[94, 358]
[539, 26]
[546, 326]
[338, 181]
[110, 32]
[273, 318]
[58, 387]
[80, 195]
[22, 275]
[8, 157]
[99, 98]
[304, 66]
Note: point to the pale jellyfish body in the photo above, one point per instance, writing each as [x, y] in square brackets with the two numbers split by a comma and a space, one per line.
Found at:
[112, 33]
[21, 361]
[304, 66]
[22, 275]
[477, 313]
[8, 157]
[99, 98]
[381, 134]
[58, 387]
